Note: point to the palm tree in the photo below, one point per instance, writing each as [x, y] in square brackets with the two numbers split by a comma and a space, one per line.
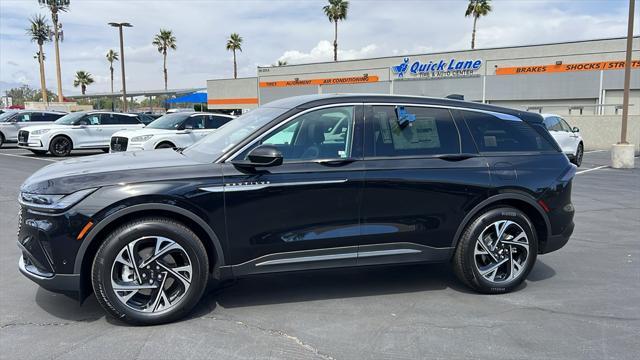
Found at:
[164, 41]
[38, 31]
[83, 79]
[234, 43]
[37, 56]
[336, 11]
[282, 63]
[55, 6]
[477, 8]
[111, 57]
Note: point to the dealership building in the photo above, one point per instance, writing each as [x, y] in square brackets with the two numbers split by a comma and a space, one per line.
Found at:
[570, 78]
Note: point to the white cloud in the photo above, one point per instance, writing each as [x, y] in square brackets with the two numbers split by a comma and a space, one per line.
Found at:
[323, 51]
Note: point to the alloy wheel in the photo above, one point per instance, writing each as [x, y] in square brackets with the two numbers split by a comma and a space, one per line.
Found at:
[62, 146]
[501, 251]
[151, 274]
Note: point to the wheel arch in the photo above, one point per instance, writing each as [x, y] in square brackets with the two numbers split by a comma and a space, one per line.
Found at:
[60, 134]
[164, 141]
[521, 202]
[97, 235]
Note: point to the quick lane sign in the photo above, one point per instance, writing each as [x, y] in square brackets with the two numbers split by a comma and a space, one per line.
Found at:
[437, 69]
[326, 81]
[590, 66]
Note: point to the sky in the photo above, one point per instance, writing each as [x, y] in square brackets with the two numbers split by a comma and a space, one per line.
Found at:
[296, 31]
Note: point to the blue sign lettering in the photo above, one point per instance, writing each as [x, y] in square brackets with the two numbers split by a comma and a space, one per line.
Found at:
[452, 67]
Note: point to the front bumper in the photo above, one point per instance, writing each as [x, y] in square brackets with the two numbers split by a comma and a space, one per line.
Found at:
[32, 144]
[68, 284]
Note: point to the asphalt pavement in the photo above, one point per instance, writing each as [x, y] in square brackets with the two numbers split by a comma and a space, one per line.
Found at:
[581, 302]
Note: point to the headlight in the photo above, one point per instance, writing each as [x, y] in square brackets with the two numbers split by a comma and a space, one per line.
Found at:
[40, 132]
[141, 138]
[53, 202]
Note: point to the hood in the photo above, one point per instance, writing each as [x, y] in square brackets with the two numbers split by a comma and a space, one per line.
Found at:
[68, 176]
[50, 127]
[141, 132]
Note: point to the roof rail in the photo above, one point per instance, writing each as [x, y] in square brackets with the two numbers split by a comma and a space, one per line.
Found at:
[455, 97]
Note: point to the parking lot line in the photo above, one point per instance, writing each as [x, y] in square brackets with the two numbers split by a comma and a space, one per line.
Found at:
[594, 151]
[28, 157]
[592, 169]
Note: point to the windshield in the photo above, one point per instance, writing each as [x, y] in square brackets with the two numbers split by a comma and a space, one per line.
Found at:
[225, 137]
[169, 121]
[69, 119]
[7, 116]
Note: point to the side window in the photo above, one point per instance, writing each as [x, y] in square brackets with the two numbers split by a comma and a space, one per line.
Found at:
[410, 131]
[552, 123]
[493, 134]
[319, 134]
[565, 125]
[196, 122]
[108, 119]
[24, 117]
[214, 121]
[127, 120]
[96, 119]
[47, 117]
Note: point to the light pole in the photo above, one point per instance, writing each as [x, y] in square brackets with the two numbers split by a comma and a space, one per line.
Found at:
[124, 86]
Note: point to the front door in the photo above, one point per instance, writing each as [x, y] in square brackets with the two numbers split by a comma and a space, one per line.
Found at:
[418, 185]
[304, 213]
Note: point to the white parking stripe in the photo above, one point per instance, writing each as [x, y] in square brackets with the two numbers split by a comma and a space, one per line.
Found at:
[594, 151]
[29, 157]
[592, 169]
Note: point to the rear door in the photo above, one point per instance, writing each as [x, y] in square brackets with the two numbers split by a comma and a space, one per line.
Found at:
[418, 183]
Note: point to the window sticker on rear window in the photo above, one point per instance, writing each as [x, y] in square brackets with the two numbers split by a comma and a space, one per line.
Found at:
[422, 134]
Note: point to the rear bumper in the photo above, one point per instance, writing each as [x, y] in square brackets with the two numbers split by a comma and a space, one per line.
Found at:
[68, 284]
[555, 242]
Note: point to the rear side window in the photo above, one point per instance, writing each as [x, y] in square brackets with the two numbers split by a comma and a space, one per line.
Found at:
[50, 117]
[552, 123]
[410, 131]
[127, 120]
[214, 122]
[493, 134]
[196, 122]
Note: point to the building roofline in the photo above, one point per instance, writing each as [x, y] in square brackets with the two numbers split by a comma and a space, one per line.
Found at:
[451, 51]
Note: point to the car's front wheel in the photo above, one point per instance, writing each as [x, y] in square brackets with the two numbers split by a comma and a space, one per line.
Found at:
[577, 159]
[60, 146]
[497, 251]
[150, 271]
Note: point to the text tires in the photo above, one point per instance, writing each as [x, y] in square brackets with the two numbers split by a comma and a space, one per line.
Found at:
[150, 271]
[60, 146]
[496, 251]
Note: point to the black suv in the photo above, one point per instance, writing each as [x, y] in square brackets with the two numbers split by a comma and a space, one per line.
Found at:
[302, 183]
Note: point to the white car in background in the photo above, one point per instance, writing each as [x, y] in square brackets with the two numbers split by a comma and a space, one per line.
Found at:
[179, 129]
[75, 131]
[568, 138]
[13, 120]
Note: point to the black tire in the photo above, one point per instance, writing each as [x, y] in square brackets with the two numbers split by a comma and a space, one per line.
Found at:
[577, 160]
[465, 260]
[149, 227]
[60, 146]
[1, 140]
[105, 150]
[165, 145]
[39, 152]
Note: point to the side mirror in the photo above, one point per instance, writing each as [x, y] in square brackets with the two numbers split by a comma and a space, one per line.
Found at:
[263, 155]
[575, 129]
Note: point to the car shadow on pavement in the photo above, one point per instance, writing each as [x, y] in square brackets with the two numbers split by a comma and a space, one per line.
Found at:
[541, 271]
[66, 308]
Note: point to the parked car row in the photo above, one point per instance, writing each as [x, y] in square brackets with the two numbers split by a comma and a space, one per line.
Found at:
[60, 133]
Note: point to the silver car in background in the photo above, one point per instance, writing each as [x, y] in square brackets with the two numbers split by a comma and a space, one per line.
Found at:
[567, 137]
[13, 120]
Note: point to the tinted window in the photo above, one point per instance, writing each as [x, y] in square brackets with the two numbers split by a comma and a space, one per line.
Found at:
[92, 119]
[214, 121]
[493, 134]
[565, 126]
[50, 117]
[427, 131]
[552, 123]
[127, 120]
[196, 122]
[319, 134]
[24, 117]
[109, 119]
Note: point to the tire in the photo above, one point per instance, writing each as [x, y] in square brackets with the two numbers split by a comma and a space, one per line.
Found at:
[105, 150]
[60, 146]
[1, 140]
[39, 152]
[473, 261]
[165, 145]
[577, 160]
[148, 306]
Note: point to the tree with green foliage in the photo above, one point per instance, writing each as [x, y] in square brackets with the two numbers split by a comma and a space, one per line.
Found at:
[112, 56]
[38, 32]
[55, 7]
[234, 43]
[336, 11]
[83, 79]
[476, 9]
[164, 41]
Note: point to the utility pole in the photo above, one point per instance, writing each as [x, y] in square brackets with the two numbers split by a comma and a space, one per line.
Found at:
[124, 85]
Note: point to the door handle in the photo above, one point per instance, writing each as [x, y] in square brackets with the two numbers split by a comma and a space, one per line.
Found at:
[455, 157]
[335, 162]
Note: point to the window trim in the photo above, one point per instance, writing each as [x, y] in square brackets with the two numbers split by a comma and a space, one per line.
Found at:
[233, 154]
[453, 120]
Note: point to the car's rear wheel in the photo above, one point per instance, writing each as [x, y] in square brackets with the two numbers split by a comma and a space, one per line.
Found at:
[577, 159]
[105, 150]
[497, 251]
[38, 152]
[150, 271]
[60, 146]
[1, 140]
